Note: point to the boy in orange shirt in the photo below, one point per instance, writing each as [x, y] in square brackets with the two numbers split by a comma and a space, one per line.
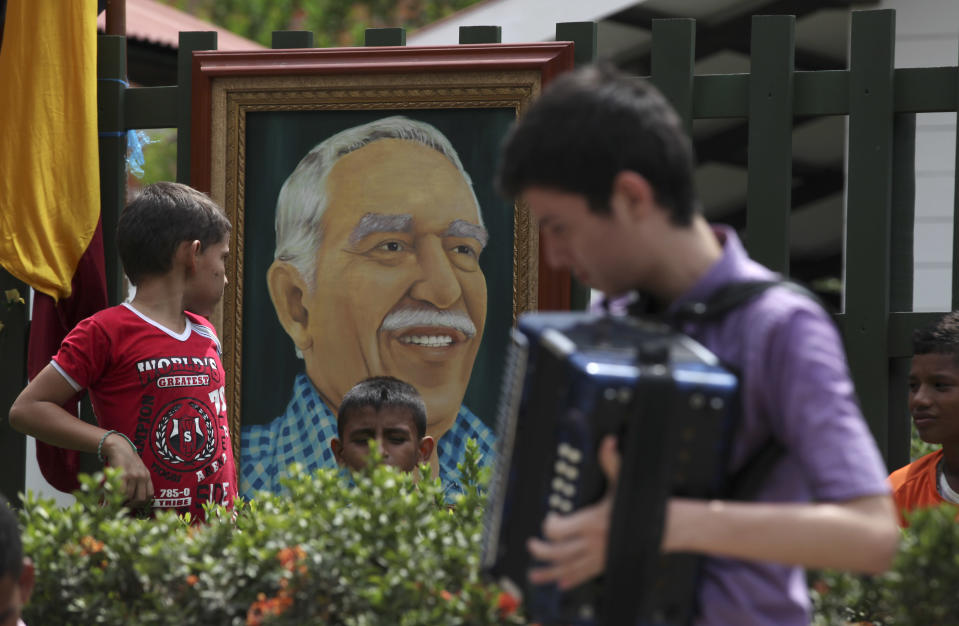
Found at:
[934, 404]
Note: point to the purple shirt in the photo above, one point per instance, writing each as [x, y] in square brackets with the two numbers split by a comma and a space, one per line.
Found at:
[797, 389]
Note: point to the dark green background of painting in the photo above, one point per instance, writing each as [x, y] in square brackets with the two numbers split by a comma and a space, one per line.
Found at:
[275, 143]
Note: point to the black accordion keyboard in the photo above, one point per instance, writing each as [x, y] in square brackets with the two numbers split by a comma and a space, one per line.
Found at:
[570, 379]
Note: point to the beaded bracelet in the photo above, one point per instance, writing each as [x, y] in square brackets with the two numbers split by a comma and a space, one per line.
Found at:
[104, 438]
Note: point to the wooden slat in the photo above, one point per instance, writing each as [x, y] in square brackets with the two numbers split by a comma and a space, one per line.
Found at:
[769, 191]
[826, 92]
[189, 42]
[925, 89]
[288, 39]
[899, 428]
[674, 53]
[902, 218]
[821, 93]
[13, 377]
[720, 96]
[868, 213]
[111, 71]
[481, 34]
[901, 325]
[150, 107]
[955, 202]
[583, 36]
[385, 37]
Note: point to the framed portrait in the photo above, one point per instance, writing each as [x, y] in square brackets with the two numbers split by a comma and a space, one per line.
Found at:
[258, 117]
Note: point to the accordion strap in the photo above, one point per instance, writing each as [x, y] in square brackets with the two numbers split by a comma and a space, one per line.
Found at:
[733, 295]
[744, 483]
[636, 528]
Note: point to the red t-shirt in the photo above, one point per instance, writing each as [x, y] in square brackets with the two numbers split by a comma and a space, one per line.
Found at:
[163, 390]
[915, 485]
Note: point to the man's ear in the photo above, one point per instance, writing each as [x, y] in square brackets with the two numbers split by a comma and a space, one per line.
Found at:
[187, 253]
[632, 197]
[26, 580]
[426, 447]
[287, 291]
[337, 449]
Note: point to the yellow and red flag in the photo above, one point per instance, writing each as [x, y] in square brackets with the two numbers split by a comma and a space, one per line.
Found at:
[50, 235]
[49, 165]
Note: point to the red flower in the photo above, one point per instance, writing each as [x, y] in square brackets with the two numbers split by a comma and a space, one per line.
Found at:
[90, 545]
[267, 606]
[507, 604]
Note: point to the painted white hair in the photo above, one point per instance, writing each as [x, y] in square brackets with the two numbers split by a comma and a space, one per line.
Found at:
[303, 199]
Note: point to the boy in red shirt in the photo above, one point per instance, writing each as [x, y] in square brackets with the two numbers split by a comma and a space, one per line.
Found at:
[152, 365]
[934, 404]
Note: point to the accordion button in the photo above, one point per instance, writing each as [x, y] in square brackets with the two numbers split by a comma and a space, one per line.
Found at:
[697, 401]
[565, 469]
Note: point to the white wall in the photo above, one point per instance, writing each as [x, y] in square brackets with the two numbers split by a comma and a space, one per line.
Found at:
[927, 35]
[35, 481]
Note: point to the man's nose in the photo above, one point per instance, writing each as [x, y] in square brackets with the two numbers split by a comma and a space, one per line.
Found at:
[437, 282]
[556, 256]
[919, 397]
[379, 446]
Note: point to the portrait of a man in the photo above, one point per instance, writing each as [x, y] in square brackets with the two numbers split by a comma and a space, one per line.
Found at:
[375, 272]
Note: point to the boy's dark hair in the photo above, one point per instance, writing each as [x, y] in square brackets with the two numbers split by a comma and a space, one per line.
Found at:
[588, 126]
[382, 392]
[940, 337]
[11, 549]
[160, 218]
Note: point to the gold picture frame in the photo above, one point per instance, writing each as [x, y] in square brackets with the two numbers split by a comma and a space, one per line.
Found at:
[245, 101]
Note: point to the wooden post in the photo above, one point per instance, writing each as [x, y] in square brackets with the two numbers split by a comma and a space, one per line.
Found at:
[869, 207]
[111, 70]
[287, 39]
[116, 17]
[385, 37]
[769, 201]
[189, 42]
[116, 24]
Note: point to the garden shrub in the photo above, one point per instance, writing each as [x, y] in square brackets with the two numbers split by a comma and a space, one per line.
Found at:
[919, 590]
[384, 550]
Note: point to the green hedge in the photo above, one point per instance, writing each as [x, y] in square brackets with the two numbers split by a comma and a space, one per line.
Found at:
[385, 551]
[921, 589]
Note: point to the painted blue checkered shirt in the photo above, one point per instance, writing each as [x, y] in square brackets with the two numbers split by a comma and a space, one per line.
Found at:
[302, 435]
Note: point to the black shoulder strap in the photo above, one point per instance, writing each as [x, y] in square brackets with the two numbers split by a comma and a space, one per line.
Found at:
[734, 295]
[747, 480]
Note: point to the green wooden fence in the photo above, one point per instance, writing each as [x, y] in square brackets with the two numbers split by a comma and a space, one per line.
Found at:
[880, 103]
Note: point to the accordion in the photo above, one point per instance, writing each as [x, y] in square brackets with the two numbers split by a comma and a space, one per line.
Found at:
[571, 379]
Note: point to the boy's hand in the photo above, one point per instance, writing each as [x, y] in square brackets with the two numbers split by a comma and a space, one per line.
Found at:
[136, 477]
[575, 546]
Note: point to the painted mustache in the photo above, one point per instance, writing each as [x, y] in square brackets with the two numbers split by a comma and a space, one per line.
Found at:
[412, 317]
